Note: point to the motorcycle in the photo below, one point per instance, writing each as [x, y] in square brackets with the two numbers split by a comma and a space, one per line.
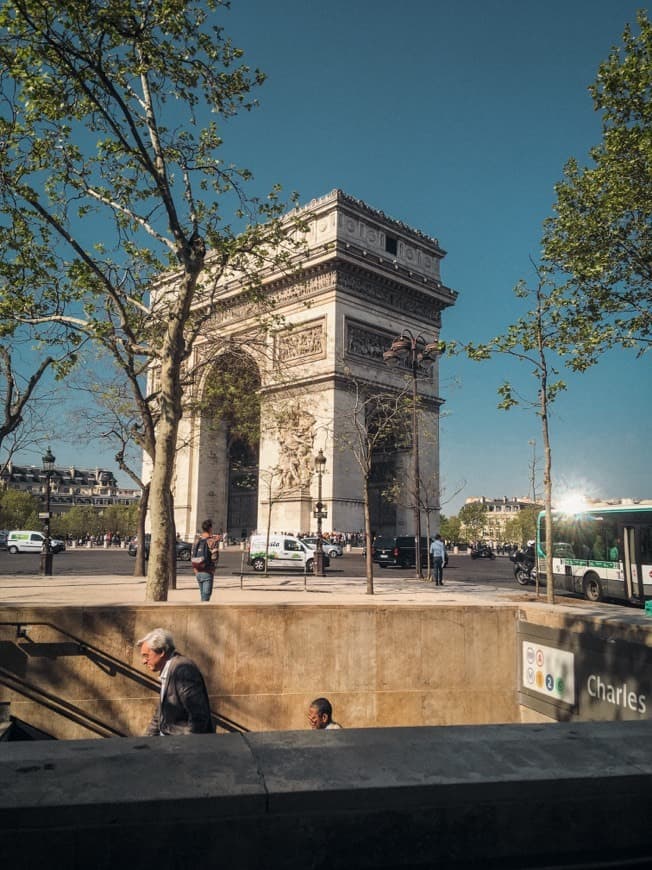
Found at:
[525, 570]
[483, 552]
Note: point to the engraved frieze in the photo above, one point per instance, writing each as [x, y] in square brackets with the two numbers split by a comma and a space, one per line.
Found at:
[367, 343]
[301, 344]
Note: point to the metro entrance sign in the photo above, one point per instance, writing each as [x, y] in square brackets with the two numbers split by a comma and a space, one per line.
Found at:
[583, 677]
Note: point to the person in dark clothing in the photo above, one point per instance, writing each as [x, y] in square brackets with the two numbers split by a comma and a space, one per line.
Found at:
[183, 707]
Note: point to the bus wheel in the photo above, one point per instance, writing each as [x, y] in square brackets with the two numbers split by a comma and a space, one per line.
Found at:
[592, 588]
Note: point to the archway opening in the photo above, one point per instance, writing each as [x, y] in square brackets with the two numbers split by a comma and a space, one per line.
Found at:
[231, 401]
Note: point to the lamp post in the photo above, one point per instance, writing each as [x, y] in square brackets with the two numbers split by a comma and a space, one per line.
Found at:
[320, 513]
[48, 461]
[414, 350]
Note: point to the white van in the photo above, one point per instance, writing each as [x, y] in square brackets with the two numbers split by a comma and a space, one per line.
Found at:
[22, 541]
[285, 551]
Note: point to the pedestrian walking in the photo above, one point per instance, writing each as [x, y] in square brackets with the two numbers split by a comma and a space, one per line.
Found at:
[205, 556]
[439, 559]
[183, 706]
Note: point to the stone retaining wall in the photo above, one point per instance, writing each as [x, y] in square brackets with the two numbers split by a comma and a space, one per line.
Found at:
[496, 797]
[379, 666]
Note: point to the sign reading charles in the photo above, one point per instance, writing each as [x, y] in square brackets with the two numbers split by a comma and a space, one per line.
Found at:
[583, 676]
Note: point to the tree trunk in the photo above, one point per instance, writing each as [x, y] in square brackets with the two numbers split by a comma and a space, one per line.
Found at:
[172, 538]
[368, 539]
[547, 464]
[158, 571]
[139, 567]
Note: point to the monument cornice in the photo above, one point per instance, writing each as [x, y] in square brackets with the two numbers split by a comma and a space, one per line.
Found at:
[341, 382]
[356, 279]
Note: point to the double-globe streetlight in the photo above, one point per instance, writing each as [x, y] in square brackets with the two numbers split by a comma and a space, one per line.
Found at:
[415, 351]
[320, 514]
[48, 461]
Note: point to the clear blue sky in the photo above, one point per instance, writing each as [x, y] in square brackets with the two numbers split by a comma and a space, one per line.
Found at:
[456, 118]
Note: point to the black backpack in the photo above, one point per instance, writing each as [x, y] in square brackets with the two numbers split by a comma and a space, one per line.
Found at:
[201, 559]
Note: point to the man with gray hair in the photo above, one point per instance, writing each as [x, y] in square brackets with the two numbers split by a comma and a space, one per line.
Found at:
[183, 706]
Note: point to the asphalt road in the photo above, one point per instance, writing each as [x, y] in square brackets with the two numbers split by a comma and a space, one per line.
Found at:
[81, 562]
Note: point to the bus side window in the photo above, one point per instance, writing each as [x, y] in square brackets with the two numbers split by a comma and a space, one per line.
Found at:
[645, 538]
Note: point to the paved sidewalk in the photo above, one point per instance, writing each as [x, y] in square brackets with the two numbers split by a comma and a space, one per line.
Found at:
[277, 589]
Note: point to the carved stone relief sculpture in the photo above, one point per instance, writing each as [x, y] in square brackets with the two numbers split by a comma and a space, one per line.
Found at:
[296, 438]
[301, 344]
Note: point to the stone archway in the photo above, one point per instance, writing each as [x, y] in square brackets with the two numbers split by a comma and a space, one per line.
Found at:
[229, 439]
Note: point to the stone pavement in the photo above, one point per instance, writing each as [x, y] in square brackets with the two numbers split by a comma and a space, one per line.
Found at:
[256, 589]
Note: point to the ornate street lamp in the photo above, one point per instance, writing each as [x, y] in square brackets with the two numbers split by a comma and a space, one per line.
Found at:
[48, 461]
[320, 514]
[415, 351]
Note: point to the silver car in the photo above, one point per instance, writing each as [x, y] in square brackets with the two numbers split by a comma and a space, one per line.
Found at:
[330, 548]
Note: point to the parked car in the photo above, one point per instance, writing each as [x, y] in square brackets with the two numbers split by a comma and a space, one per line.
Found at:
[27, 541]
[283, 551]
[329, 547]
[398, 551]
[4, 534]
[183, 548]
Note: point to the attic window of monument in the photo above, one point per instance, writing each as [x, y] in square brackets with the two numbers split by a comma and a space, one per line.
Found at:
[391, 245]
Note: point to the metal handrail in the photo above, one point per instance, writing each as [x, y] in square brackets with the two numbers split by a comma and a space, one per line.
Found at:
[99, 656]
[58, 705]
[86, 648]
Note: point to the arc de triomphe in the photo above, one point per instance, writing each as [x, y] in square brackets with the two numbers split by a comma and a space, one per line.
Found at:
[364, 279]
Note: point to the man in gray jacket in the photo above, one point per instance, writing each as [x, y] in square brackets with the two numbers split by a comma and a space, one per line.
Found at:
[183, 707]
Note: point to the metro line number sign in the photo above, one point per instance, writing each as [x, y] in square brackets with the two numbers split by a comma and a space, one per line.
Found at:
[549, 671]
[569, 675]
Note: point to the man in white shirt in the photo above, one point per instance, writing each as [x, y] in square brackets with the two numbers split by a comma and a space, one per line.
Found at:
[438, 556]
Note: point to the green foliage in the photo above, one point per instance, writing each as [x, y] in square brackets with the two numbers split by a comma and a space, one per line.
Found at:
[473, 517]
[231, 395]
[19, 510]
[86, 519]
[522, 527]
[600, 239]
[450, 528]
[104, 131]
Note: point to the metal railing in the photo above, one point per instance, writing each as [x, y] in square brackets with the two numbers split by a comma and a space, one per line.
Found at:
[107, 662]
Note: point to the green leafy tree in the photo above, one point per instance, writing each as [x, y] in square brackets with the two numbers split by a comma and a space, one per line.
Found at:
[534, 339]
[80, 520]
[523, 527]
[600, 238]
[450, 528]
[107, 159]
[19, 510]
[473, 517]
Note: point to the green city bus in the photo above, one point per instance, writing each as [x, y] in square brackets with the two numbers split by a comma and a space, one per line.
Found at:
[602, 551]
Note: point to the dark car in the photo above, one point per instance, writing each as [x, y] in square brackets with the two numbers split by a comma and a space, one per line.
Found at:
[4, 534]
[183, 548]
[398, 551]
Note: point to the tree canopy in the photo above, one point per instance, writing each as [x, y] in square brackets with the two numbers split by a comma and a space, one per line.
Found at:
[600, 239]
[112, 114]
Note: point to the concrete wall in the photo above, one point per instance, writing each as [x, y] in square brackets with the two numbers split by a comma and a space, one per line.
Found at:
[495, 797]
[263, 665]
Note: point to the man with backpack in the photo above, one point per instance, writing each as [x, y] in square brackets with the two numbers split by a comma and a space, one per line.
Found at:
[205, 556]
